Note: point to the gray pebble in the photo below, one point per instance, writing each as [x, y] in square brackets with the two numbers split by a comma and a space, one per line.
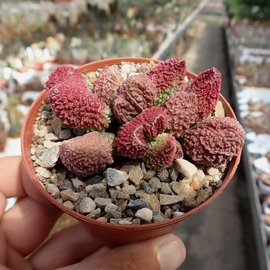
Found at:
[137, 204]
[122, 195]
[110, 207]
[115, 177]
[147, 188]
[122, 204]
[95, 213]
[96, 192]
[189, 203]
[165, 188]
[39, 151]
[199, 175]
[45, 115]
[144, 214]
[49, 144]
[163, 175]
[178, 214]
[53, 190]
[174, 175]
[129, 212]
[203, 195]
[129, 189]
[69, 195]
[139, 193]
[149, 174]
[126, 168]
[87, 205]
[78, 184]
[50, 157]
[169, 199]
[43, 172]
[168, 213]
[65, 134]
[38, 162]
[102, 202]
[112, 210]
[102, 219]
[115, 220]
[143, 167]
[83, 193]
[69, 205]
[66, 184]
[40, 132]
[60, 200]
[113, 192]
[51, 137]
[54, 179]
[154, 184]
[93, 180]
[136, 221]
[98, 186]
[56, 125]
[78, 132]
[124, 221]
[176, 207]
[157, 216]
[61, 174]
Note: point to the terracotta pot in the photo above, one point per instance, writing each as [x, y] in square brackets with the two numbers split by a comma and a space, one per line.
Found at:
[114, 234]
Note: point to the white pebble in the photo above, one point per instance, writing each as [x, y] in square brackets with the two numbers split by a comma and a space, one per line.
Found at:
[212, 171]
[43, 172]
[144, 214]
[185, 167]
[87, 205]
[51, 137]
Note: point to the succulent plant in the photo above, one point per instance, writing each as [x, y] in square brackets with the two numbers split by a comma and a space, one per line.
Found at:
[162, 151]
[107, 83]
[136, 94]
[207, 87]
[154, 121]
[168, 74]
[214, 142]
[143, 138]
[87, 154]
[180, 125]
[60, 74]
[76, 106]
[132, 138]
[182, 111]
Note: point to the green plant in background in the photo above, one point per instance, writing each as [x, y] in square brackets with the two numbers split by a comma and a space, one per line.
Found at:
[250, 9]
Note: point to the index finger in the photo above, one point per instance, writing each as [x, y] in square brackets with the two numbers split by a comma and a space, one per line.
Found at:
[11, 177]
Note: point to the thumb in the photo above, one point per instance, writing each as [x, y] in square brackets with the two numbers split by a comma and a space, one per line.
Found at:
[165, 253]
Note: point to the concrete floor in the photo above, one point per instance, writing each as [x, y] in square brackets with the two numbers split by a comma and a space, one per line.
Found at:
[219, 237]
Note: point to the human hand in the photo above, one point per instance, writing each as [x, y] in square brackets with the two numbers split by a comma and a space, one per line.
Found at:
[24, 242]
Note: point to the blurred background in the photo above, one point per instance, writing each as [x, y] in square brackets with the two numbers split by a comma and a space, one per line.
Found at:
[233, 35]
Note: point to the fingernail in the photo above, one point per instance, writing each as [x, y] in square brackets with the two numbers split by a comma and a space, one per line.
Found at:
[171, 255]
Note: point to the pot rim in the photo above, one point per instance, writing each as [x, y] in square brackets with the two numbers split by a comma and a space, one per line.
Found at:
[27, 162]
